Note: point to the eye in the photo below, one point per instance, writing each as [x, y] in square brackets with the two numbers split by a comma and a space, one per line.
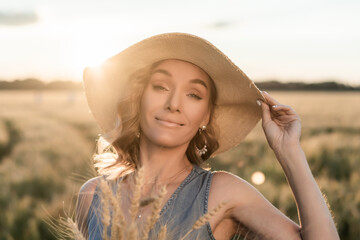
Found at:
[193, 95]
[158, 87]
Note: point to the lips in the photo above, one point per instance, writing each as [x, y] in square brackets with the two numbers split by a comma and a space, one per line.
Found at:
[168, 122]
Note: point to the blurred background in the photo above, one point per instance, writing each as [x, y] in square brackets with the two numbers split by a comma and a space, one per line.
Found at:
[305, 53]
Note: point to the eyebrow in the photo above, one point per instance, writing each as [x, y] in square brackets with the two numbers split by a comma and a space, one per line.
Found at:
[162, 71]
[199, 81]
[196, 80]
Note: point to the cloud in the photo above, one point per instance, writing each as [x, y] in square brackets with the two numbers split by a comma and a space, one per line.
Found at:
[18, 18]
[222, 24]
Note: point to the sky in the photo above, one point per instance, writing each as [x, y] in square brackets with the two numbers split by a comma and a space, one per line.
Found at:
[308, 40]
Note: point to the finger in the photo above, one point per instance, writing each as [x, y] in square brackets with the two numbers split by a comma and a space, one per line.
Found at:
[266, 114]
[269, 99]
[285, 118]
[283, 109]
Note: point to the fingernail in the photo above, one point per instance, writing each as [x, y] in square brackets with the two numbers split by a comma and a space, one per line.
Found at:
[258, 103]
[274, 106]
[265, 92]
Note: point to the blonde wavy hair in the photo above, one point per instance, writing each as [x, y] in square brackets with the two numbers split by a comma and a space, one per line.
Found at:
[118, 150]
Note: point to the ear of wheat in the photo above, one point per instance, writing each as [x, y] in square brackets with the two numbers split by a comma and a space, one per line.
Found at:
[74, 229]
[204, 219]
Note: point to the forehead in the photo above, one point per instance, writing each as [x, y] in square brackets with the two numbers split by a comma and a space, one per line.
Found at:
[182, 68]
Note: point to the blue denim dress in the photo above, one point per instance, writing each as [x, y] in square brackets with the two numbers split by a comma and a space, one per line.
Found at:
[187, 204]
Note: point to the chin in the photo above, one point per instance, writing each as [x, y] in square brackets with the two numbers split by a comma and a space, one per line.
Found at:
[167, 141]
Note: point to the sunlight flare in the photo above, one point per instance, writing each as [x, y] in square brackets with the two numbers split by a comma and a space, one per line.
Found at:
[258, 178]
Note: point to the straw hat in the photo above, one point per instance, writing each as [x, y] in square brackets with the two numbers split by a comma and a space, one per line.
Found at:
[236, 112]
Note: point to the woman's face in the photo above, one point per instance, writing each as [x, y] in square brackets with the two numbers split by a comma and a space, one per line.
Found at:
[175, 103]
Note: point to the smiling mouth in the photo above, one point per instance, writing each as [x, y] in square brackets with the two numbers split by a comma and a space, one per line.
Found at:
[168, 123]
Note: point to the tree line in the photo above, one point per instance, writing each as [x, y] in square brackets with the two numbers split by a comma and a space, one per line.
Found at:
[35, 84]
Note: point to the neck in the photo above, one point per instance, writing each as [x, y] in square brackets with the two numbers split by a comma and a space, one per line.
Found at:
[163, 164]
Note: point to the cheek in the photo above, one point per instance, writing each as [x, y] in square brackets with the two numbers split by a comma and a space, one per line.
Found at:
[197, 113]
[149, 102]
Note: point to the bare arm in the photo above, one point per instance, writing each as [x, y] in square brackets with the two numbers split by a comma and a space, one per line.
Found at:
[282, 128]
[246, 205]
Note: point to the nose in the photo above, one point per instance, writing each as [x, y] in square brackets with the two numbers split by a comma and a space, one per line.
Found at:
[173, 103]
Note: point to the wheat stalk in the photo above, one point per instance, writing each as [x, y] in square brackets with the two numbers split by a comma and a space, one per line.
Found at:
[162, 233]
[151, 220]
[106, 193]
[133, 231]
[135, 202]
[119, 224]
[118, 221]
[204, 219]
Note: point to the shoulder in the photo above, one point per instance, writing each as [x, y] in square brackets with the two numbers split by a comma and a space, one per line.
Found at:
[84, 200]
[88, 188]
[232, 189]
[237, 192]
[226, 177]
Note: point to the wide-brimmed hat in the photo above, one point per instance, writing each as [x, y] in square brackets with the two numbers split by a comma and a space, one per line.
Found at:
[236, 111]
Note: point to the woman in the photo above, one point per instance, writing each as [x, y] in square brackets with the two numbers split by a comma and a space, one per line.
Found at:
[167, 104]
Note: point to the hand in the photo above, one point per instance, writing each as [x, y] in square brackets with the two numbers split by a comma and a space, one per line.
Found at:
[281, 124]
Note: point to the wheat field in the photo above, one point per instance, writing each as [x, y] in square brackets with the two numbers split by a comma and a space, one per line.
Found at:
[47, 139]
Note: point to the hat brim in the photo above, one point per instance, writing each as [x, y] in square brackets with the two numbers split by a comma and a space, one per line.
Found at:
[236, 111]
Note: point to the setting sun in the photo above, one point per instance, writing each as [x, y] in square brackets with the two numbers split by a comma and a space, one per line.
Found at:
[89, 50]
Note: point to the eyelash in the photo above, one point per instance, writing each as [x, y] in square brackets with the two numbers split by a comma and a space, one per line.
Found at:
[194, 96]
[158, 87]
[161, 88]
